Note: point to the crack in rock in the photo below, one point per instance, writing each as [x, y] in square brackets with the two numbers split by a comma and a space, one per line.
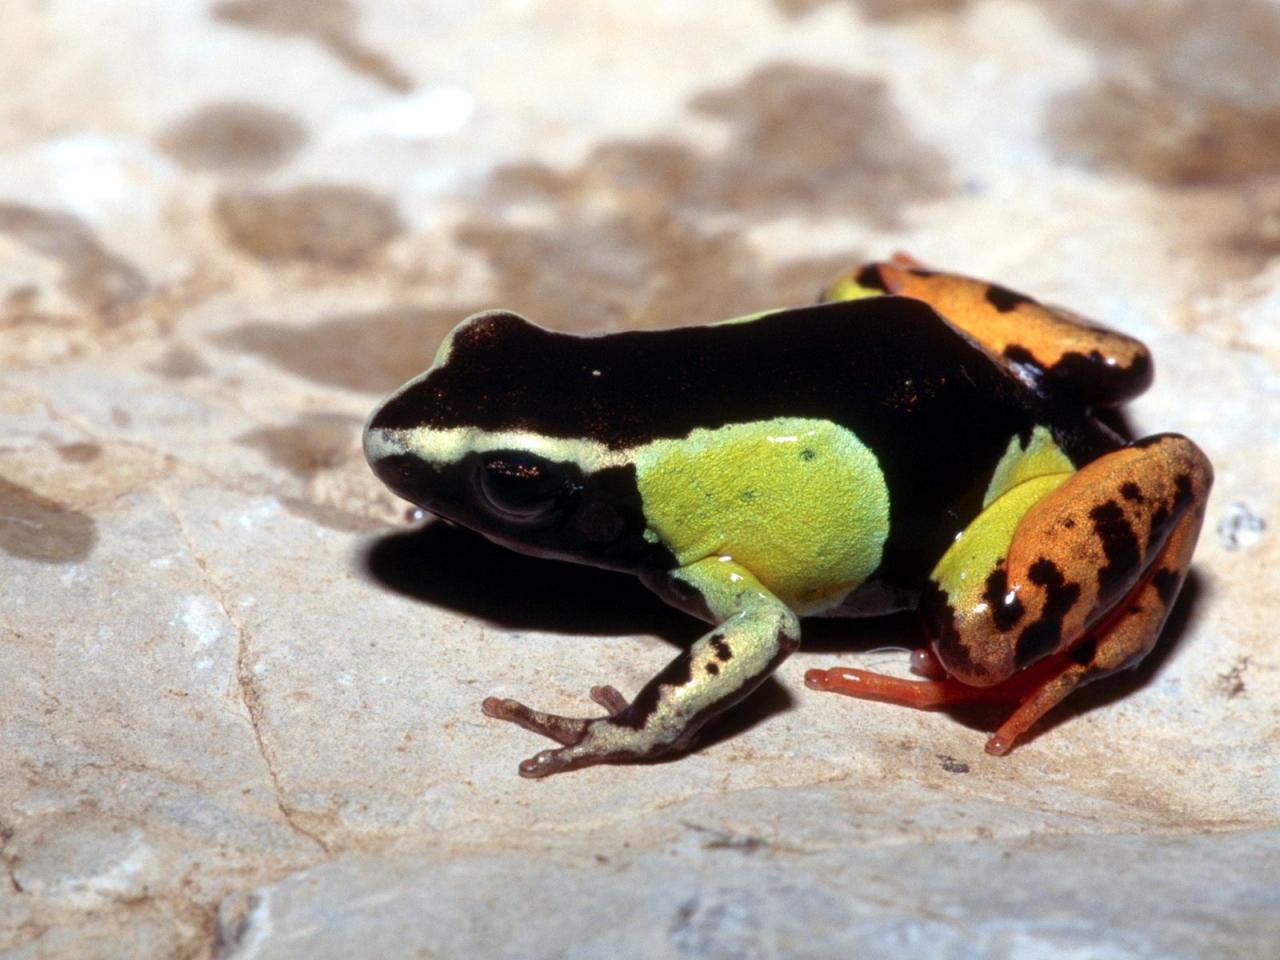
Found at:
[249, 695]
[252, 703]
[10, 862]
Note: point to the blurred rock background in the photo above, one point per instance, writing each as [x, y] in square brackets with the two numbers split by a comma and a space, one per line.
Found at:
[239, 692]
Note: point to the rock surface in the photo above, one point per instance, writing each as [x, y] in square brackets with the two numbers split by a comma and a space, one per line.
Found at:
[239, 704]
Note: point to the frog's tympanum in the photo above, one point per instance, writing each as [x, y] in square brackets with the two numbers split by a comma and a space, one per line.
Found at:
[919, 440]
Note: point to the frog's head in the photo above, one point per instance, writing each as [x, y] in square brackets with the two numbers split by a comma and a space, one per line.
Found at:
[497, 436]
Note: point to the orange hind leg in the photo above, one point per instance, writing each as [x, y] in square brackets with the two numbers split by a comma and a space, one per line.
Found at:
[1082, 590]
[1066, 353]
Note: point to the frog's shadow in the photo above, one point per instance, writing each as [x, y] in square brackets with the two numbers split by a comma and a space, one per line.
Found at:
[454, 568]
[451, 567]
[459, 570]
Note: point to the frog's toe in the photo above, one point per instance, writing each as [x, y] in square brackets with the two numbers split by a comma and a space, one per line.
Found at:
[565, 730]
[609, 698]
[547, 762]
[603, 742]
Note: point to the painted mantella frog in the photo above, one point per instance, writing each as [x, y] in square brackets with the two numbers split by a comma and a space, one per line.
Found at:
[917, 440]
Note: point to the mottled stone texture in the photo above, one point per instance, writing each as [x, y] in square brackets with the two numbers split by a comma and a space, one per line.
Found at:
[239, 700]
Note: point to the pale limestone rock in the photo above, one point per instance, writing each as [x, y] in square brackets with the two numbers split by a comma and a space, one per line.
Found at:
[239, 706]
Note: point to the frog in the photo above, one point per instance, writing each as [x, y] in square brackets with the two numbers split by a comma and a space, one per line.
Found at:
[915, 440]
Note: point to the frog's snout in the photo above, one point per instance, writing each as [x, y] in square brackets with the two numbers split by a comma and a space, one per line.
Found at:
[381, 443]
[408, 476]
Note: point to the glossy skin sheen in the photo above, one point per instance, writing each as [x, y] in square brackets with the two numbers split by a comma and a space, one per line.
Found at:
[920, 440]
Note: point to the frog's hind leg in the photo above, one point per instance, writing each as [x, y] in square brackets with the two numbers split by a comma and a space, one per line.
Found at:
[1122, 639]
[1060, 351]
[1035, 600]
[937, 691]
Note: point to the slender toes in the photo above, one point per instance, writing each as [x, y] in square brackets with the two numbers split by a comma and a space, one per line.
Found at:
[559, 760]
[540, 765]
[818, 679]
[565, 730]
[998, 745]
[609, 698]
[850, 681]
[498, 708]
[502, 709]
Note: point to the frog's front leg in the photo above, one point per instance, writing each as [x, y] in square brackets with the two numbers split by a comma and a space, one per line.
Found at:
[1063, 579]
[756, 631]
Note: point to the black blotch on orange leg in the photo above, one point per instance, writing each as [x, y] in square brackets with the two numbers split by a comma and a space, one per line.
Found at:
[1005, 615]
[1182, 483]
[870, 278]
[1159, 524]
[1166, 583]
[1021, 355]
[939, 619]
[1093, 379]
[1084, 651]
[1120, 544]
[1004, 299]
[1105, 690]
[1041, 638]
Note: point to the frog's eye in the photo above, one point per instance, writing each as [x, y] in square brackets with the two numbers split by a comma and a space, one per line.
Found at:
[521, 487]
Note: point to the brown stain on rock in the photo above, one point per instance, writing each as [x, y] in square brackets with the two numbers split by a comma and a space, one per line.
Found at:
[233, 138]
[331, 225]
[374, 352]
[874, 9]
[650, 234]
[21, 301]
[1247, 225]
[637, 271]
[33, 527]
[815, 141]
[798, 144]
[1189, 101]
[1188, 97]
[1172, 140]
[317, 441]
[92, 275]
[79, 452]
[333, 24]
[180, 363]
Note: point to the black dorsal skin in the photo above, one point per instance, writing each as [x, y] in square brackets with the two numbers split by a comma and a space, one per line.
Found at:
[934, 407]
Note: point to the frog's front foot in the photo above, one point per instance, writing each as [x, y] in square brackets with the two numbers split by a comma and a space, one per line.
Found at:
[756, 632]
[583, 741]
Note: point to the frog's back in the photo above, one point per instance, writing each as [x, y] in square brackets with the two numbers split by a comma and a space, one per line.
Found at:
[936, 410]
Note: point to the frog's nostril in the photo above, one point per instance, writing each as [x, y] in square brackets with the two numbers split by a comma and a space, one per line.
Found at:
[403, 473]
